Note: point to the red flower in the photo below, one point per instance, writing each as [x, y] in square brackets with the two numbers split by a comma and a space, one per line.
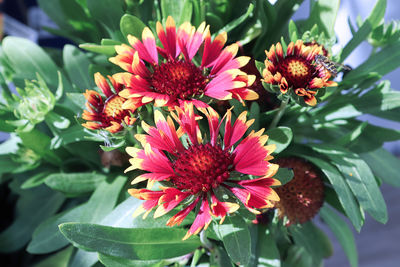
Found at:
[106, 112]
[175, 77]
[296, 70]
[196, 169]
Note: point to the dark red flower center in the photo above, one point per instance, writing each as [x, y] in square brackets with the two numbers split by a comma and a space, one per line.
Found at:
[112, 109]
[178, 79]
[297, 71]
[201, 168]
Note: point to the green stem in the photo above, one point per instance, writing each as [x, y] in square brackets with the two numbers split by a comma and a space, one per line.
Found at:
[279, 114]
[203, 239]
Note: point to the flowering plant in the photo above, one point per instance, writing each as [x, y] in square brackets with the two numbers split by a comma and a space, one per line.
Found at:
[201, 133]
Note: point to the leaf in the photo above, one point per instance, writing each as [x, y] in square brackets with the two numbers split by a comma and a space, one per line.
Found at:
[35, 180]
[107, 12]
[107, 50]
[137, 243]
[40, 144]
[351, 136]
[27, 59]
[121, 262]
[382, 62]
[267, 250]
[103, 200]
[323, 13]
[131, 25]
[77, 66]
[55, 120]
[360, 179]
[235, 23]
[33, 206]
[299, 257]
[346, 197]
[369, 24]
[281, 137]
[180, 10]
[47, 237]
[60, 259]
[77, 98]
[284, 175]
[342, 233]
[384, 165]
[235, 235]
[312, 239]
[74, 183]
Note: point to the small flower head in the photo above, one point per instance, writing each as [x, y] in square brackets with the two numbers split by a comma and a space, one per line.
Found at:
[104, 111]
[303, 196]
[35, 102]
[168, 75]
[197, 170]
[296, 70]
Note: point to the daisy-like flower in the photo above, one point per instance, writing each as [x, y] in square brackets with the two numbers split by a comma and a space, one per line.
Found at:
[170, 75]
[106, 112]
[195, 170]
[303, 196]
[296, 70]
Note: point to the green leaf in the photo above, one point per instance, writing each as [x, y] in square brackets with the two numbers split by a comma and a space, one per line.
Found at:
[235, 235]
[55, 120]
[360, 179]
[141, 244]
[220, 258]
[312, 239]
[47, 238]
[104, 199]
[35, 180]
[382, 62]
[323, 13]
[342, 233]
[235, 23]
[267, 250]
[107, 50]
[60, 259]
[74, 183]
[78, 99]
[131, 25]
[281, 137]
[351, 136]
[342, 189]
[33, 206]
[284, 175]
[369, 24]
[112, 261]
[40, 144]
[77, 67]
[27, 59]
[299, 257]
[373, 102]
[384, 165]
[180, 10]
[107, 12]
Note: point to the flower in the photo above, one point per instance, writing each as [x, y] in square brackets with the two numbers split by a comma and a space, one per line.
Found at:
[175, 77]
[296, 70]
[198, 172]
[303, 196]
[107, 112]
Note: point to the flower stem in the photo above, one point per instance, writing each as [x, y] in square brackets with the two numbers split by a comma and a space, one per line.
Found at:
[203, 239]
[279, 114]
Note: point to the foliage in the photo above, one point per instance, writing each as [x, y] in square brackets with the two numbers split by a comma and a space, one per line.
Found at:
[70, 195]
